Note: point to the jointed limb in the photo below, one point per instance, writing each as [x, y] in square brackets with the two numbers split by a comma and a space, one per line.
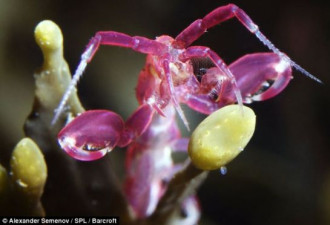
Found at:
[224, 13]
[112, 38]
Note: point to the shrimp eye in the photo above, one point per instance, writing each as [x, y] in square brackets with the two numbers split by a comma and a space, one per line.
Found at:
[264, 87]
[200, 66]
[183, 213]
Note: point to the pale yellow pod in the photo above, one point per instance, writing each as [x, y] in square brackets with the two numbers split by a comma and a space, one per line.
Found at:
[53, 78]
[48, 36]
[221, 136]
[28, 168]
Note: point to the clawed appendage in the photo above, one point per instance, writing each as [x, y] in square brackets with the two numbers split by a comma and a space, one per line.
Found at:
[96, 132]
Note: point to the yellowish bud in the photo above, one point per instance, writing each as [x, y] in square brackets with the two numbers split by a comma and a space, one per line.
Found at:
[53, 78]
[221, 137]
[48, 35]
[29, 170]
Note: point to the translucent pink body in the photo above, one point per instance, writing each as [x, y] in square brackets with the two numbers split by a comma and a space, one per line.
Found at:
[169, 78]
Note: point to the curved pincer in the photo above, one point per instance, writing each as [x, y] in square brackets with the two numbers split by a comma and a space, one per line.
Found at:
[261, 76]
[91, 135]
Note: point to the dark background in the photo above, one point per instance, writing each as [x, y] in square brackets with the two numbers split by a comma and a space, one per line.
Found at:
[283, 176]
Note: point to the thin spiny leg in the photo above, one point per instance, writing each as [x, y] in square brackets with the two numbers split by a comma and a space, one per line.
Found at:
[199, 51]
[223, 13]
[284, 57]
[139, 44]
[171, 89]
[79, 71]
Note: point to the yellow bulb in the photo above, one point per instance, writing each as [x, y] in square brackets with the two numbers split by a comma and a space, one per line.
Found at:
[28, 167]
[48, 35]
[221, 137]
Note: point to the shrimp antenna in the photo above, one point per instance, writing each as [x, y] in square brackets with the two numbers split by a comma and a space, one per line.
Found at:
[271, 46]
[77, 75]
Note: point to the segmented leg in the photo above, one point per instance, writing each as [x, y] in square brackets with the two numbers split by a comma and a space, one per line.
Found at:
[139, 44]
[219, 15]
[223, 13]
[199, 51]
[136, 124]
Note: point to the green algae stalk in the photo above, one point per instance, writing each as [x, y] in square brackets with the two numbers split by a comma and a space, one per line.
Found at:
[54, 76]
[51, 81]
